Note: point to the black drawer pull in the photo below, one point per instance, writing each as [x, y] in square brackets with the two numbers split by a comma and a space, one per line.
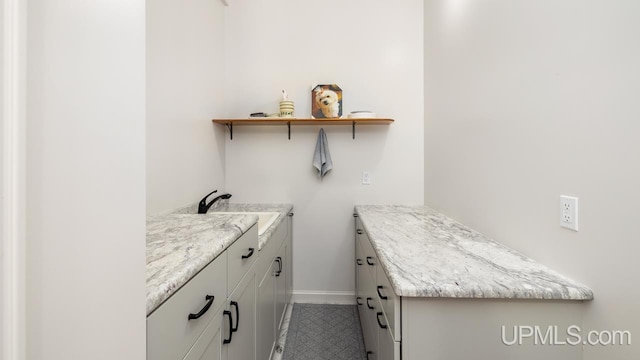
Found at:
[235, 304]
[206, 307]
[358, 300]
[355, 215]
[359, 261]
[290, 214]
[379, 323]
[369, 305]
[381, 296]
[249, 254]
[370, 260]
[359, 231]
[369, 353]
[228, 313]
[279, 261]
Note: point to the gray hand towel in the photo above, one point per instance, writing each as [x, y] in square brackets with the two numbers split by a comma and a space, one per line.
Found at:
[322, 157]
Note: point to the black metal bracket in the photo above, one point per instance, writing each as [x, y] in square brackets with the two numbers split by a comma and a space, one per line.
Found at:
[230, 127]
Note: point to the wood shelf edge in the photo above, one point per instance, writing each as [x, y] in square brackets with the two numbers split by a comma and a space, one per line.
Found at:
[304, 121]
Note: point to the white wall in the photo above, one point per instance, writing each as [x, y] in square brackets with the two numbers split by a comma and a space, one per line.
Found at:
[374, 51]
[185, 67]
[528, 100]
[86, 180]
[2, 84]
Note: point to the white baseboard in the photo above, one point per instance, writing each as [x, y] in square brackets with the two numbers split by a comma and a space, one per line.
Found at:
[324, 297]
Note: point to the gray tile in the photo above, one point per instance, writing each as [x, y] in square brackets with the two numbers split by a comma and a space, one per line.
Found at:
[324, 332]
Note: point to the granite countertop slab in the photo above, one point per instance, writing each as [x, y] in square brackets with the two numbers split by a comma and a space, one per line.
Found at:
[426, 254]
[225, 206]
[180, 245]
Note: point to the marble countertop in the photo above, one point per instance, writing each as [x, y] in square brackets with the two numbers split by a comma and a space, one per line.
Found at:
[426, 254]
[182, 243]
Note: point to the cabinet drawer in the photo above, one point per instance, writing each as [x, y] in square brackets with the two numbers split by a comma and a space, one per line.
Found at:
[370, 258]
[390, 305]
[170, 333]
[242, 255]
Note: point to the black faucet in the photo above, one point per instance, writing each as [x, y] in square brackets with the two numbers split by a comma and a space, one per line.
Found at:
[203, 207]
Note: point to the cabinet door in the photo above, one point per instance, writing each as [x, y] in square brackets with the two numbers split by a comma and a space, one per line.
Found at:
[242, 305]
[360, 286]
[266, 314]
[371, 308]
[209, 345]
[388, 349]
[282, 263]
[289, 242]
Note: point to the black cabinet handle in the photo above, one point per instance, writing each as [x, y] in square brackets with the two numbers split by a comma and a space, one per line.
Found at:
[355, 215]
[369, 305]
[359, 231]
[358, 300]
[379, 323]
[249, 254]
[381, 296]
[290, 214]
[369, 353]
[228, 313]
[206, 307]
[359, 261]
[370, 260]
[279, 261]
[235, 304]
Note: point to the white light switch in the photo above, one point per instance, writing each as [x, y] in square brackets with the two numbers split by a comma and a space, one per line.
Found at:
[366, 178]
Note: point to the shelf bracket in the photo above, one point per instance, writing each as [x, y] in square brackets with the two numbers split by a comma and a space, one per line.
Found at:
[353, 130]
[289, 129]
[230, 127]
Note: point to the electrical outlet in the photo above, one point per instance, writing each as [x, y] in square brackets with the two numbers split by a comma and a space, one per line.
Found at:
[569, 212]
[366, 178]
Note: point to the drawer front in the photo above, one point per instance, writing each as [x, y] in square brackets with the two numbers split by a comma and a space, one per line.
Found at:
[242, 254]
[390, 305]
[370, 258]
[170, 333]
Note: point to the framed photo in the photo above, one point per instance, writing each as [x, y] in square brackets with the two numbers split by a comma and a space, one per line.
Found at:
[326, 102]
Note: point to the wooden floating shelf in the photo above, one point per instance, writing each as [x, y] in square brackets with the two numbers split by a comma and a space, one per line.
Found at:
[301, 121]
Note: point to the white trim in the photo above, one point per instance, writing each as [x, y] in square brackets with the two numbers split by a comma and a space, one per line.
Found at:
[13, 342]
[323, 297]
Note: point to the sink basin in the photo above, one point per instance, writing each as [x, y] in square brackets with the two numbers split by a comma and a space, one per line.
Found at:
[265, 219]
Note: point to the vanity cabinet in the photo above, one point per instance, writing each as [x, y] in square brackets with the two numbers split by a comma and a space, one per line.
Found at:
[193, 321]
[375, 300]
[415, 327]
[274, 288]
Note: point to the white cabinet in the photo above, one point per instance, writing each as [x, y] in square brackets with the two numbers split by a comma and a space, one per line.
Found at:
[375, 299]
[193, 321]
[407, 328]
[240, 341]
[274, 288]
[282, 262]
[174, 327]
[266, 313]
[237, 304]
